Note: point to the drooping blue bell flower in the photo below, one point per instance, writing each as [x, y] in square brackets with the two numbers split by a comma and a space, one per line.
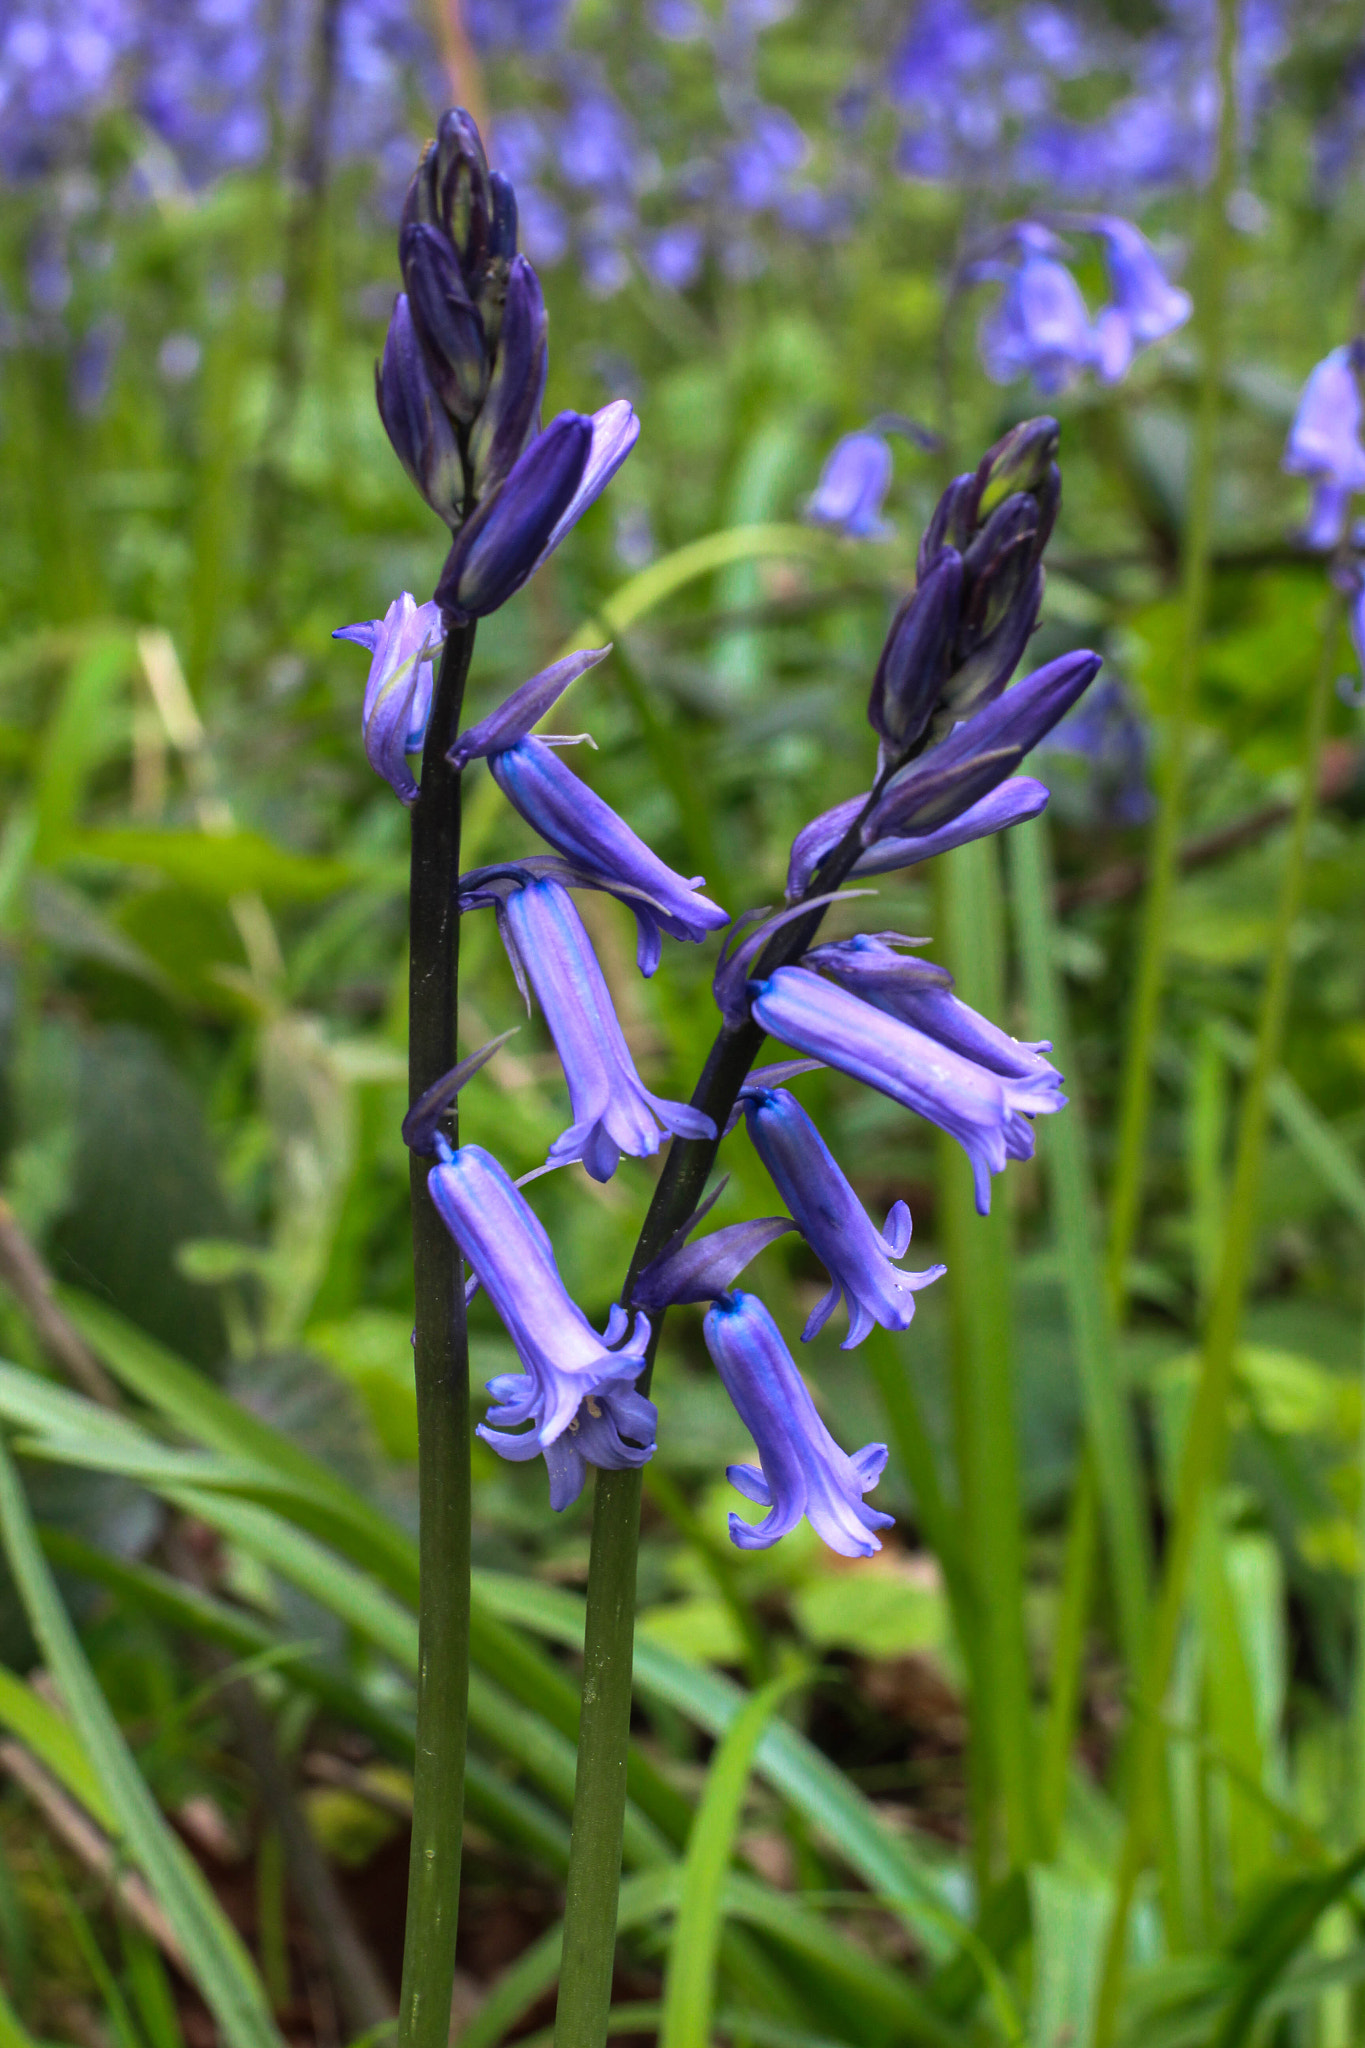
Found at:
[853, 485]
[403, 647]
[1145, 306]
[801, 1469]
[614, 1429]
[989, 1114]
[1324, 443]
[550, 950]
[860, 1259]
[1040, 327]
[509, 1252]
[573, 819]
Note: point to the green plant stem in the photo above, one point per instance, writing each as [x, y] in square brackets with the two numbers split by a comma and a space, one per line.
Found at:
[1062, 1142]
[441, 1359]
[1068, 1653]
[1206, 1433]
[971, 934]
[609, 1631]
[1210, 273]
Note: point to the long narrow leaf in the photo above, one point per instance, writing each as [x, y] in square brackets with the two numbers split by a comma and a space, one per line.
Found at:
[221, 1965]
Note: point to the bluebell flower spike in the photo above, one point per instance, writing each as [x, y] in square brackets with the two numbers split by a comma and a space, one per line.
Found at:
[853, 485]
[508, 1250]
[582, 827]
[551, 952]
[860, 1259]
[518, 714]
[710, 1265]
[989, 1114]
[801, 1469]
[422, 1121]
[403, 648]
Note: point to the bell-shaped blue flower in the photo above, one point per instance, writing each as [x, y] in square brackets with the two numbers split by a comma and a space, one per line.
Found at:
[509, 1252]
[800, 1470]
[1145, 306]
[860, 1259]
[614, 1429]
[403, 646]
[573, 819]
[853, 484]
[544, 495]
[988, 1113]
[549, 948]
[1039, 327]
[1325, 443]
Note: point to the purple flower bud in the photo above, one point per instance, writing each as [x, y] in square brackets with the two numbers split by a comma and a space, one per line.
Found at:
[510, 415]
[403, 645]
[1019, 461]
[920, 993]
[983, 673]
[859, 1258]
[525, 708]
[852, 486]
[801, 1470]
[707, 1269]
[993, 739]
[447, 323]
[422, 1120]
[614, 1429]
[548, 945]
[547, 491]
[1324, 442]
[915, 660]
[576, 821]
[988, 1114]
[507, 1249]
[954, 520]
[415, 420]
[1040, 327]
[451, 191]
[1008, 804]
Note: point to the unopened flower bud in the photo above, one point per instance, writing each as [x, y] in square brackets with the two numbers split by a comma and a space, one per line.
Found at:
[998, 568]
[1018, 462]
[510, 414]
[415, 420]
[452, 191]
[915, 659]
[447, 322]
[954, 520]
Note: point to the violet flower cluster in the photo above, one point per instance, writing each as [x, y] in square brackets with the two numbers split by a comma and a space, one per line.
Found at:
[459, 391]
[1324, 445]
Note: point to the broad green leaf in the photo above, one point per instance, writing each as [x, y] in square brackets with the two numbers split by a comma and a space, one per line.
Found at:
[221, 1966]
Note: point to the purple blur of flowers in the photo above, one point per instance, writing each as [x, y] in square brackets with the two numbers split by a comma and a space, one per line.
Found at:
[1041, 327]
[552, 484]
[614, 1429]
[853, 485]
[403, 646]
[1096, 758]
[1324, 442]
[859, 1258]
[548, 945]
[529, 25]
[988, 1113]
[573, 819]
[801, 1470]
[761, 164]
[1145, 305]
[509, 1252]
[675, 255]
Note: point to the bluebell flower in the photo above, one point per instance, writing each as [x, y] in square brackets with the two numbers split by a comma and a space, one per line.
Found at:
[989, 1114]
[1145, 306]
[509, 1252]
[403, 647]
[549, 947]
[573, 819]
[709, 1266]
[674, 256]
[614, 1429]
[762, 162]
[1325, 442]
[918, 992]
[853, 484]
[801, 1470]
[1039, 327]
[1010, 803]
[859, 1258]
[557, 477]
[524, 709]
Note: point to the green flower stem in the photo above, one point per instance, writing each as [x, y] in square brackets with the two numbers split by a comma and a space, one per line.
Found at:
[594, 1880]
[1206, 1433]
[441, 1357]
[1210, 275]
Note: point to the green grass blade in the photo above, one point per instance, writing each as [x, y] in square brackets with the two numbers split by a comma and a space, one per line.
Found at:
[1283, 1925]
[1062, 1141]
[690, 1983]
[1303, 1123]
[13, 2032]
[49, 1735]
[222, 1968]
